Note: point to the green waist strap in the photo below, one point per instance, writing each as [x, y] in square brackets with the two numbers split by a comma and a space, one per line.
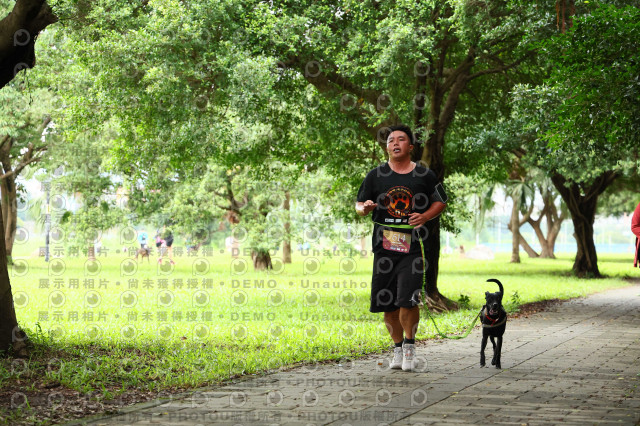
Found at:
[396, 226]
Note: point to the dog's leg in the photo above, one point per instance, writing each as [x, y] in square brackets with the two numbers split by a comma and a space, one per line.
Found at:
[493, 343]
[483, 345]
[498, 353]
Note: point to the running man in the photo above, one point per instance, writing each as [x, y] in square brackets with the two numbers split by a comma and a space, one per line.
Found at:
[403, 196]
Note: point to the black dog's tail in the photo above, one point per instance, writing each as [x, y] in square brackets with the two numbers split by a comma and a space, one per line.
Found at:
[493, 280]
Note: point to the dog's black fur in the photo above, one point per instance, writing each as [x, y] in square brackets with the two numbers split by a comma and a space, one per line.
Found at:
[494, 322]
[143, 252]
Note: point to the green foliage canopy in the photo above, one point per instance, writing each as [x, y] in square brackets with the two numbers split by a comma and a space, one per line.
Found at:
[586, 111]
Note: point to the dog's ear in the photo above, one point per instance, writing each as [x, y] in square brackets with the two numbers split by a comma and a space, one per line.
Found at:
[486, 294]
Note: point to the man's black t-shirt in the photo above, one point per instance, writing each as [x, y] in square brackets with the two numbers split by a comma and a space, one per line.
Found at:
[398, 195]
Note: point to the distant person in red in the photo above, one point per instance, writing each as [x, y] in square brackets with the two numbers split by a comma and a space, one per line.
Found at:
[635, 228]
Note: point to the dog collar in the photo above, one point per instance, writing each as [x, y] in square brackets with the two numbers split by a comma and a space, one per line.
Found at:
[494, 325]
[494, 322]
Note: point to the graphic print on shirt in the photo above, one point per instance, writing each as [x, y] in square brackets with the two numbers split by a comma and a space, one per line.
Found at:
[398, 202]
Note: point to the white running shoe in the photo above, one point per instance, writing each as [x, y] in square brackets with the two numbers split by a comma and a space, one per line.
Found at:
[396, 363]
[409, 357]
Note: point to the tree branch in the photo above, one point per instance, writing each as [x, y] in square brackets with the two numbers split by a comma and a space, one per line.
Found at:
[18, 169]
[323, 75]
[18, 32]
[527, 215]
[4, 140]
[328, 81]
[601, 183]
[460, 70]
[221, 207]
[458, 85]
[502, 68]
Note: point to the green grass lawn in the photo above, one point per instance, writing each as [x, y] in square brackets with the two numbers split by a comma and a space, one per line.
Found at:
[112, 328]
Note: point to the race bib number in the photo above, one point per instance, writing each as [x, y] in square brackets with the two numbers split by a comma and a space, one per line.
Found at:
[396, 241]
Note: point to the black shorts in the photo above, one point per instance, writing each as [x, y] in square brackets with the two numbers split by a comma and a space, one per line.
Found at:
[169, 241]
[397, 281]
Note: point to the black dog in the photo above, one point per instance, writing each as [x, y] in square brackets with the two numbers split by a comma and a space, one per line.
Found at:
[494, 322]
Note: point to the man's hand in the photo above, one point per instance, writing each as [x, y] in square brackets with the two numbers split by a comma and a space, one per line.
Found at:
[419, 219]
[364, 208]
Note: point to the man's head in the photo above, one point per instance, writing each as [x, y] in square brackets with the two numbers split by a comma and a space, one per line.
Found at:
[400, 142]
[402, 128]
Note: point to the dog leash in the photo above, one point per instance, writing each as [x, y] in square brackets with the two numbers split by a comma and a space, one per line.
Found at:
[444, 336]
[424, 282]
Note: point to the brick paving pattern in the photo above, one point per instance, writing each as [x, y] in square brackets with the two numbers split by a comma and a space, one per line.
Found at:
[577, 363]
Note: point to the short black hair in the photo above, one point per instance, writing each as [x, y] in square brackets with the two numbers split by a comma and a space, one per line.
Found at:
[403, 128]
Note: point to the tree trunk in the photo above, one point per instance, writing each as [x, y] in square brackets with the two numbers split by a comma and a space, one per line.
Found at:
[527, 248]
[8, 190]
[517, 240]
[553, 236]
[9, 213]
[432, 155]
[435, 301]
[544, 247]
[514, 227]
[582, 201]
[286, 251]
[91, 252]
[18, 32]
[261, 260]
[10, 334]
[547, 250]
[554, 223]
[550, 212]
[443, 101]
[286, 244]
[565, 9]
[586, 262]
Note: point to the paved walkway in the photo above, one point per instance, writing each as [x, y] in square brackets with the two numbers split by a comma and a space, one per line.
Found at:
[577, 363]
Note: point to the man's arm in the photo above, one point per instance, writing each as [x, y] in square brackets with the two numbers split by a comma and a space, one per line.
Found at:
[364, 208]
